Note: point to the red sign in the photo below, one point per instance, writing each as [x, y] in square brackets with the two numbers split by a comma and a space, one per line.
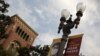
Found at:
[73, 46]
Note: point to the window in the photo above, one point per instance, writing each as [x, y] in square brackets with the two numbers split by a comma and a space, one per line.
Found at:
[24, 36]
[22, 33]
[14, 45]
[17, 29]
[20, 30]
[27, 37]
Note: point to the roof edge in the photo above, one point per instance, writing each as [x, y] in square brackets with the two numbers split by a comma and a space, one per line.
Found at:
[76, 35]
[25, 24]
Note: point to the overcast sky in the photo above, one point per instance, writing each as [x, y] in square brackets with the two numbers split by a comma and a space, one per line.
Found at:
[43, 16]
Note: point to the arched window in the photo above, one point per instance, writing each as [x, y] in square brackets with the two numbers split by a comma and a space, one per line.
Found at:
[27, 37]
[17, 44]
[24, 35]
[14, 45]
[17, 29]
[20, 30]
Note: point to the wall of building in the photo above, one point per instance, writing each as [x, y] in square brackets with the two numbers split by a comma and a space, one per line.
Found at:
[21, 32]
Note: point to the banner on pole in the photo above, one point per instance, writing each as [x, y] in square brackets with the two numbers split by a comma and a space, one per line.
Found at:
[73, 45]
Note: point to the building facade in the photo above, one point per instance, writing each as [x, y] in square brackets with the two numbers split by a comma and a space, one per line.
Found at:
[18, 34]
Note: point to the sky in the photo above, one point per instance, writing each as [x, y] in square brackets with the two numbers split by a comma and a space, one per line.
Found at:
[43, 16]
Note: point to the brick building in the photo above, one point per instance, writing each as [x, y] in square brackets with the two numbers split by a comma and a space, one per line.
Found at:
[19, 34]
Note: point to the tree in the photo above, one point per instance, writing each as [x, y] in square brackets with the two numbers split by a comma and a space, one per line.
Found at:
[40, 51]
[4, 52]
[34, 51]
[5, 20]
[24, 51]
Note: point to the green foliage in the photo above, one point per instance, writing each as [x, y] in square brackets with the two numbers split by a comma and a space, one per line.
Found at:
[4, 6]
[24, 51]
[5, 20]
[34, 50]
[4, 52]
[42, 51]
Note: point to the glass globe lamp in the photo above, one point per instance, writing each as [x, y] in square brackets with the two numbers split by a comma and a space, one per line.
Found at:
[65, 13]
[80, 7]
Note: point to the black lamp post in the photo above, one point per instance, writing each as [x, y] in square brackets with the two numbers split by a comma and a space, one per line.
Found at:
[5, 20]
[67, 25]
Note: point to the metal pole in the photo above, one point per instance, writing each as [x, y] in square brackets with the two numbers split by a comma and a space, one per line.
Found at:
[62, 45]
[66, 31]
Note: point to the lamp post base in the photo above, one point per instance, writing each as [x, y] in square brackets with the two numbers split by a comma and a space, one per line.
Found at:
[62, 45]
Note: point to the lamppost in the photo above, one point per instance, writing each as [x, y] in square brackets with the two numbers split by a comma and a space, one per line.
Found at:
[67, 25]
